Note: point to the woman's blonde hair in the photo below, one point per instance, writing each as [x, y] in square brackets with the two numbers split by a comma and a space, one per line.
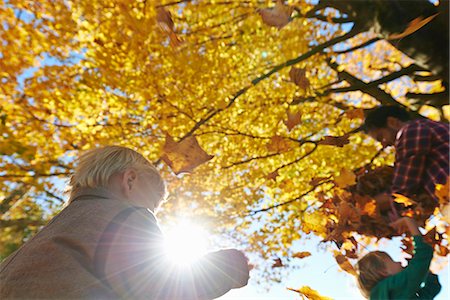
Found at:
[95, 167]
[371, 270]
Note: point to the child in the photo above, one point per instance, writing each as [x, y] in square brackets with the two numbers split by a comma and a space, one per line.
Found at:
[380, 277]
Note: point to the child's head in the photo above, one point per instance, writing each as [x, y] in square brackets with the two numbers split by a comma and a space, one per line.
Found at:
[374, 267]
[100, 167]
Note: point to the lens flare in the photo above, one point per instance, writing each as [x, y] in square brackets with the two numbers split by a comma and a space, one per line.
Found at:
[185, 243]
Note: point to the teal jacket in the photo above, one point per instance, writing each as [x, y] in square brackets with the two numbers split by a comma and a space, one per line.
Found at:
[415, 281]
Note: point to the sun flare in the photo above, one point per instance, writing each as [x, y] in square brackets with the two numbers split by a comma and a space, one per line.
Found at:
[185, 243]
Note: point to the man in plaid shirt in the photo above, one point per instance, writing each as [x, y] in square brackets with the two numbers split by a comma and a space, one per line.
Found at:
[421, 146]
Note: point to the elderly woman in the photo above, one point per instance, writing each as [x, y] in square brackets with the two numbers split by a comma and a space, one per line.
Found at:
[106, 244]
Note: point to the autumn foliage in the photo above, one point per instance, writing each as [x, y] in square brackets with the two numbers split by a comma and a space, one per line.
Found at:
[251, 110]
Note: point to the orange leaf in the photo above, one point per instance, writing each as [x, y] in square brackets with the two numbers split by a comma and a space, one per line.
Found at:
[442, 192]
[278, 144]
[413, 26]
[309, 293]
[348, 212]
[357, 113]
[442, 250]
[399, 198]
[298, 76]
[185, 155]
[278, 16]
[344, 264]
[277, 263]
[317, 180]
[346, 177]
[366, 205]
[164, 19]
[338, 141]
[272, 175]
[165, 22]
[302, 254]
[293, 119]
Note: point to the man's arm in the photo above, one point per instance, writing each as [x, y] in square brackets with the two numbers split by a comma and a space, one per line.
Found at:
[138, 268]
[412, 148]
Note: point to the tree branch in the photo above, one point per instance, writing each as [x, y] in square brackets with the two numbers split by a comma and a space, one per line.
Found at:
[374, 91]
[436, 99]
[354, 31]
[254, 212]
[13, 196]
[365, 44]
[21, 223]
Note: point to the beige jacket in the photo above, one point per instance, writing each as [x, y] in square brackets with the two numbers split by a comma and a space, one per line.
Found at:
[100, 247]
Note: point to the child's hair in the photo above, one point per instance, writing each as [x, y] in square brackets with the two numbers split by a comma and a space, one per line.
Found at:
[371, 270]
[95, 168]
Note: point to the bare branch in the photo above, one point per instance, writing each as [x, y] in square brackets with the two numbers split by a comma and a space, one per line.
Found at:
[365, 44]
[254, 212]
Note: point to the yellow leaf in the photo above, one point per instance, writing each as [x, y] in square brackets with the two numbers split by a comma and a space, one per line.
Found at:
[442, 192]
[309, 293]
[346, 177]
[413, 26]
[399, 198]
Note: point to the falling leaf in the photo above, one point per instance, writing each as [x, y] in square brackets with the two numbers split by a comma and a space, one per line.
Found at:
[442, 250]
[366, 205]
[183, 156]
[407, 246]
[293, 119]
[164, 19]
[317, 180]
[357, 113]
[433, 237]
[413, 26]
[442, 192]
[279, 144]
[278, 16]
[277, 263]
[338, 141]
[348, 212]
[272, 175]
[346, 177]
[165, 22]
[298, 76]
[302, 254]
[399, 198]
[351, 254]
[309, 293]
[344, 264]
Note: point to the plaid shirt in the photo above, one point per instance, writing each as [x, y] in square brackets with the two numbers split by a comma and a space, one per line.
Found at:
[421, 157]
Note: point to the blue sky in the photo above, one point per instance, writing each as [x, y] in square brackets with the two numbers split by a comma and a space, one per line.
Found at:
[321, 272]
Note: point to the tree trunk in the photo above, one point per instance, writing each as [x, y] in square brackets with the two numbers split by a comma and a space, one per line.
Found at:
[428, 46]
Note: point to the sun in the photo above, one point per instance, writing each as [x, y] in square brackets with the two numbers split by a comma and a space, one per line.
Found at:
[185, 243]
